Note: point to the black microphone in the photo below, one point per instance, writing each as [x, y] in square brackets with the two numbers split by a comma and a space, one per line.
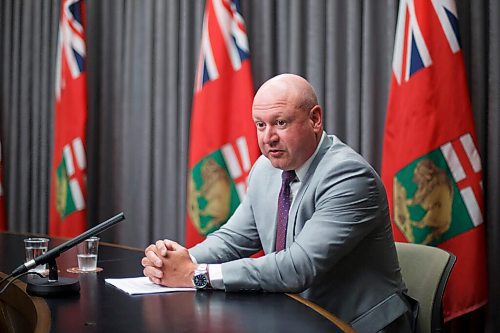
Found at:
[50, 256]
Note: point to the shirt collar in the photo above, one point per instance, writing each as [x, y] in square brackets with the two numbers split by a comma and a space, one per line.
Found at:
[302, 170]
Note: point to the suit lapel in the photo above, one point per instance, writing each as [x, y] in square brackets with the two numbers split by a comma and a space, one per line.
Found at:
[292, 220]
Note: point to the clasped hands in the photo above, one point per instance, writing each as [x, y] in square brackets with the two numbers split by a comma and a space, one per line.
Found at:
[168, 263]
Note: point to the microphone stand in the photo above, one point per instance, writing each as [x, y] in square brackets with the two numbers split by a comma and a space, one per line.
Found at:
[53, 286]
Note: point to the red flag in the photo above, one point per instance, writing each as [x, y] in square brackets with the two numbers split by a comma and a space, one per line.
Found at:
[223, 143]
[68, 182]
[3, 215]
[431, 166]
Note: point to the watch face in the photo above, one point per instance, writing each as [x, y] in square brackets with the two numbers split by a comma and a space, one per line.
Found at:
[200, 281]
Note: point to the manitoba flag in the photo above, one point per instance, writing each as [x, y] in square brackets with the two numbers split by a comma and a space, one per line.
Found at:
[3, 215]
[223, 144]
[68, 179]
[431, 166]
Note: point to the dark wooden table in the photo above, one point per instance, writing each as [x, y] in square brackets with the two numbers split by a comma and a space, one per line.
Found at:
[101, 307]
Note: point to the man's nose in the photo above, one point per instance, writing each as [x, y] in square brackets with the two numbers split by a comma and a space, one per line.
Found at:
[270, 135]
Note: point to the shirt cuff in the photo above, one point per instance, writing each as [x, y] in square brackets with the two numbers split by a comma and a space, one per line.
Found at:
[215, 275]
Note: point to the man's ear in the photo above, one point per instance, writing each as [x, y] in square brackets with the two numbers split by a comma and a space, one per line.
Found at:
[316, 118]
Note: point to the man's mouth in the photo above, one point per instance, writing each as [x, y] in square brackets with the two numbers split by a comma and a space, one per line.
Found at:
[275, 152]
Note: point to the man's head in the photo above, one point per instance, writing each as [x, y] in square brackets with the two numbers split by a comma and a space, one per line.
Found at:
[288, 120]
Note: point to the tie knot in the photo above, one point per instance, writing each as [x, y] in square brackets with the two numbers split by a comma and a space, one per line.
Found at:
[287, 176]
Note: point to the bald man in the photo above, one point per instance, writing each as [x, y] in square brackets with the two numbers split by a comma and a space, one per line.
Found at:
[325, 230]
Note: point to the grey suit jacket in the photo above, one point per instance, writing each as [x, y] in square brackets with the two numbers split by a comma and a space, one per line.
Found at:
[339, 252]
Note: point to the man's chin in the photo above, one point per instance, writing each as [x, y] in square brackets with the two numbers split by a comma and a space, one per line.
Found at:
[277, 163]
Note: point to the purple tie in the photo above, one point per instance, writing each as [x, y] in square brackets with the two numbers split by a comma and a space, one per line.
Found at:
[284, 202]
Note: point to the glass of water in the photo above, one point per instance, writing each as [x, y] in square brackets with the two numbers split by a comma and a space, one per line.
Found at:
[33, 248]
[87, 254]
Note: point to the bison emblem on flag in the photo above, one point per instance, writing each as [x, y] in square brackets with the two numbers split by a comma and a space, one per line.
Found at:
[434, 193]
[217, 183]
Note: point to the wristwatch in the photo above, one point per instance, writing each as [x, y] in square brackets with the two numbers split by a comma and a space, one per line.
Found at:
[200, 277]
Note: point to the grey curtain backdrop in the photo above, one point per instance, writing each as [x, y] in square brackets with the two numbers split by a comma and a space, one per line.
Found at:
[141, 63]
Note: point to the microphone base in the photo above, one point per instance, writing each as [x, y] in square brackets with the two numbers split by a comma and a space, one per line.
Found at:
[63, 287]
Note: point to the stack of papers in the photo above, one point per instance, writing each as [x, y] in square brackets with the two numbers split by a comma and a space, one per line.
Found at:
[142, 285]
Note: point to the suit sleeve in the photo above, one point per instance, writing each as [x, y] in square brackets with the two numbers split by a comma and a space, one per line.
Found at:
[347, 207]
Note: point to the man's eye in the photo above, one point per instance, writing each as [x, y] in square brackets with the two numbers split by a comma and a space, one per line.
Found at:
[281, 123]
[259, 124]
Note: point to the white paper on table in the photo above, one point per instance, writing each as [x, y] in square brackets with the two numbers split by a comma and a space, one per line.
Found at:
[142, 285]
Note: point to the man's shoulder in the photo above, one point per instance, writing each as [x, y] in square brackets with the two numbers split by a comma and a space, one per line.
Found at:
[337, 146]
[262, 163]
[343, 152]
[341, 158]
[263, 167]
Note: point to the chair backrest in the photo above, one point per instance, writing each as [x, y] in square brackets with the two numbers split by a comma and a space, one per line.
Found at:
[425, 270]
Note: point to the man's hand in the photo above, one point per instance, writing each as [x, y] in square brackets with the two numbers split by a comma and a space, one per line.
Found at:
[169, 264]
